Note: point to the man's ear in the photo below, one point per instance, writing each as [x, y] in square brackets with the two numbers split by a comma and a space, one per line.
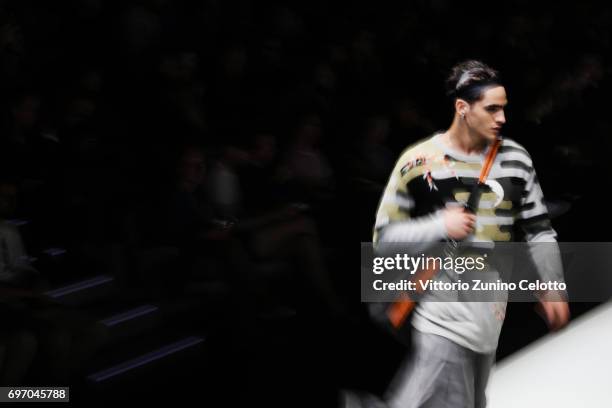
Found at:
[461, 106]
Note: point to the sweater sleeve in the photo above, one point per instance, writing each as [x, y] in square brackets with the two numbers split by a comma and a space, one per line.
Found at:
[394, 222]
[540, 236]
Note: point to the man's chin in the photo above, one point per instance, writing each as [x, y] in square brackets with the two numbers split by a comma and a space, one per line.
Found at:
[490, 137]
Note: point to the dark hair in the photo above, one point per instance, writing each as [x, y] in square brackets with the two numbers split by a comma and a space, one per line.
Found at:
[469, 79]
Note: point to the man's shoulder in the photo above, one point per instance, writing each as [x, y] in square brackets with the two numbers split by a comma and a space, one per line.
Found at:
[510, 145]
[512, 151]
[418, 154]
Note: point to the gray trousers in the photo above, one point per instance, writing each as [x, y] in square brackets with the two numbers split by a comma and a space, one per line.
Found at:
[439, 374]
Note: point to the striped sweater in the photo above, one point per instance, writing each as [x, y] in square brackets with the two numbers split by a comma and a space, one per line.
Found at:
[429, 175]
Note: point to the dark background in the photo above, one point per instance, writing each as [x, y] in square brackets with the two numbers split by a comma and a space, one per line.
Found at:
[106, 104]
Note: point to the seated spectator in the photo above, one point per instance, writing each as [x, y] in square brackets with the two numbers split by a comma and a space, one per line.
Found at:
[15, 267]
[273, 230]
[305, 168]
[65, 338]
[17, 345]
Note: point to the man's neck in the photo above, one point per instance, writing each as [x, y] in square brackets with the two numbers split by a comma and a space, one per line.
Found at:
[459, 137]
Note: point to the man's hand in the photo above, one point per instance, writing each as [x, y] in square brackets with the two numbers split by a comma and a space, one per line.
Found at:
[555, 313]
[458, 222]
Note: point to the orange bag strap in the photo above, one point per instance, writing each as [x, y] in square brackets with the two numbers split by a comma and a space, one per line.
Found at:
[486, 167]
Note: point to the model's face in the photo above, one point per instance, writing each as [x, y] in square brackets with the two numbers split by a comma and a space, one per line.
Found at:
[486, 117]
